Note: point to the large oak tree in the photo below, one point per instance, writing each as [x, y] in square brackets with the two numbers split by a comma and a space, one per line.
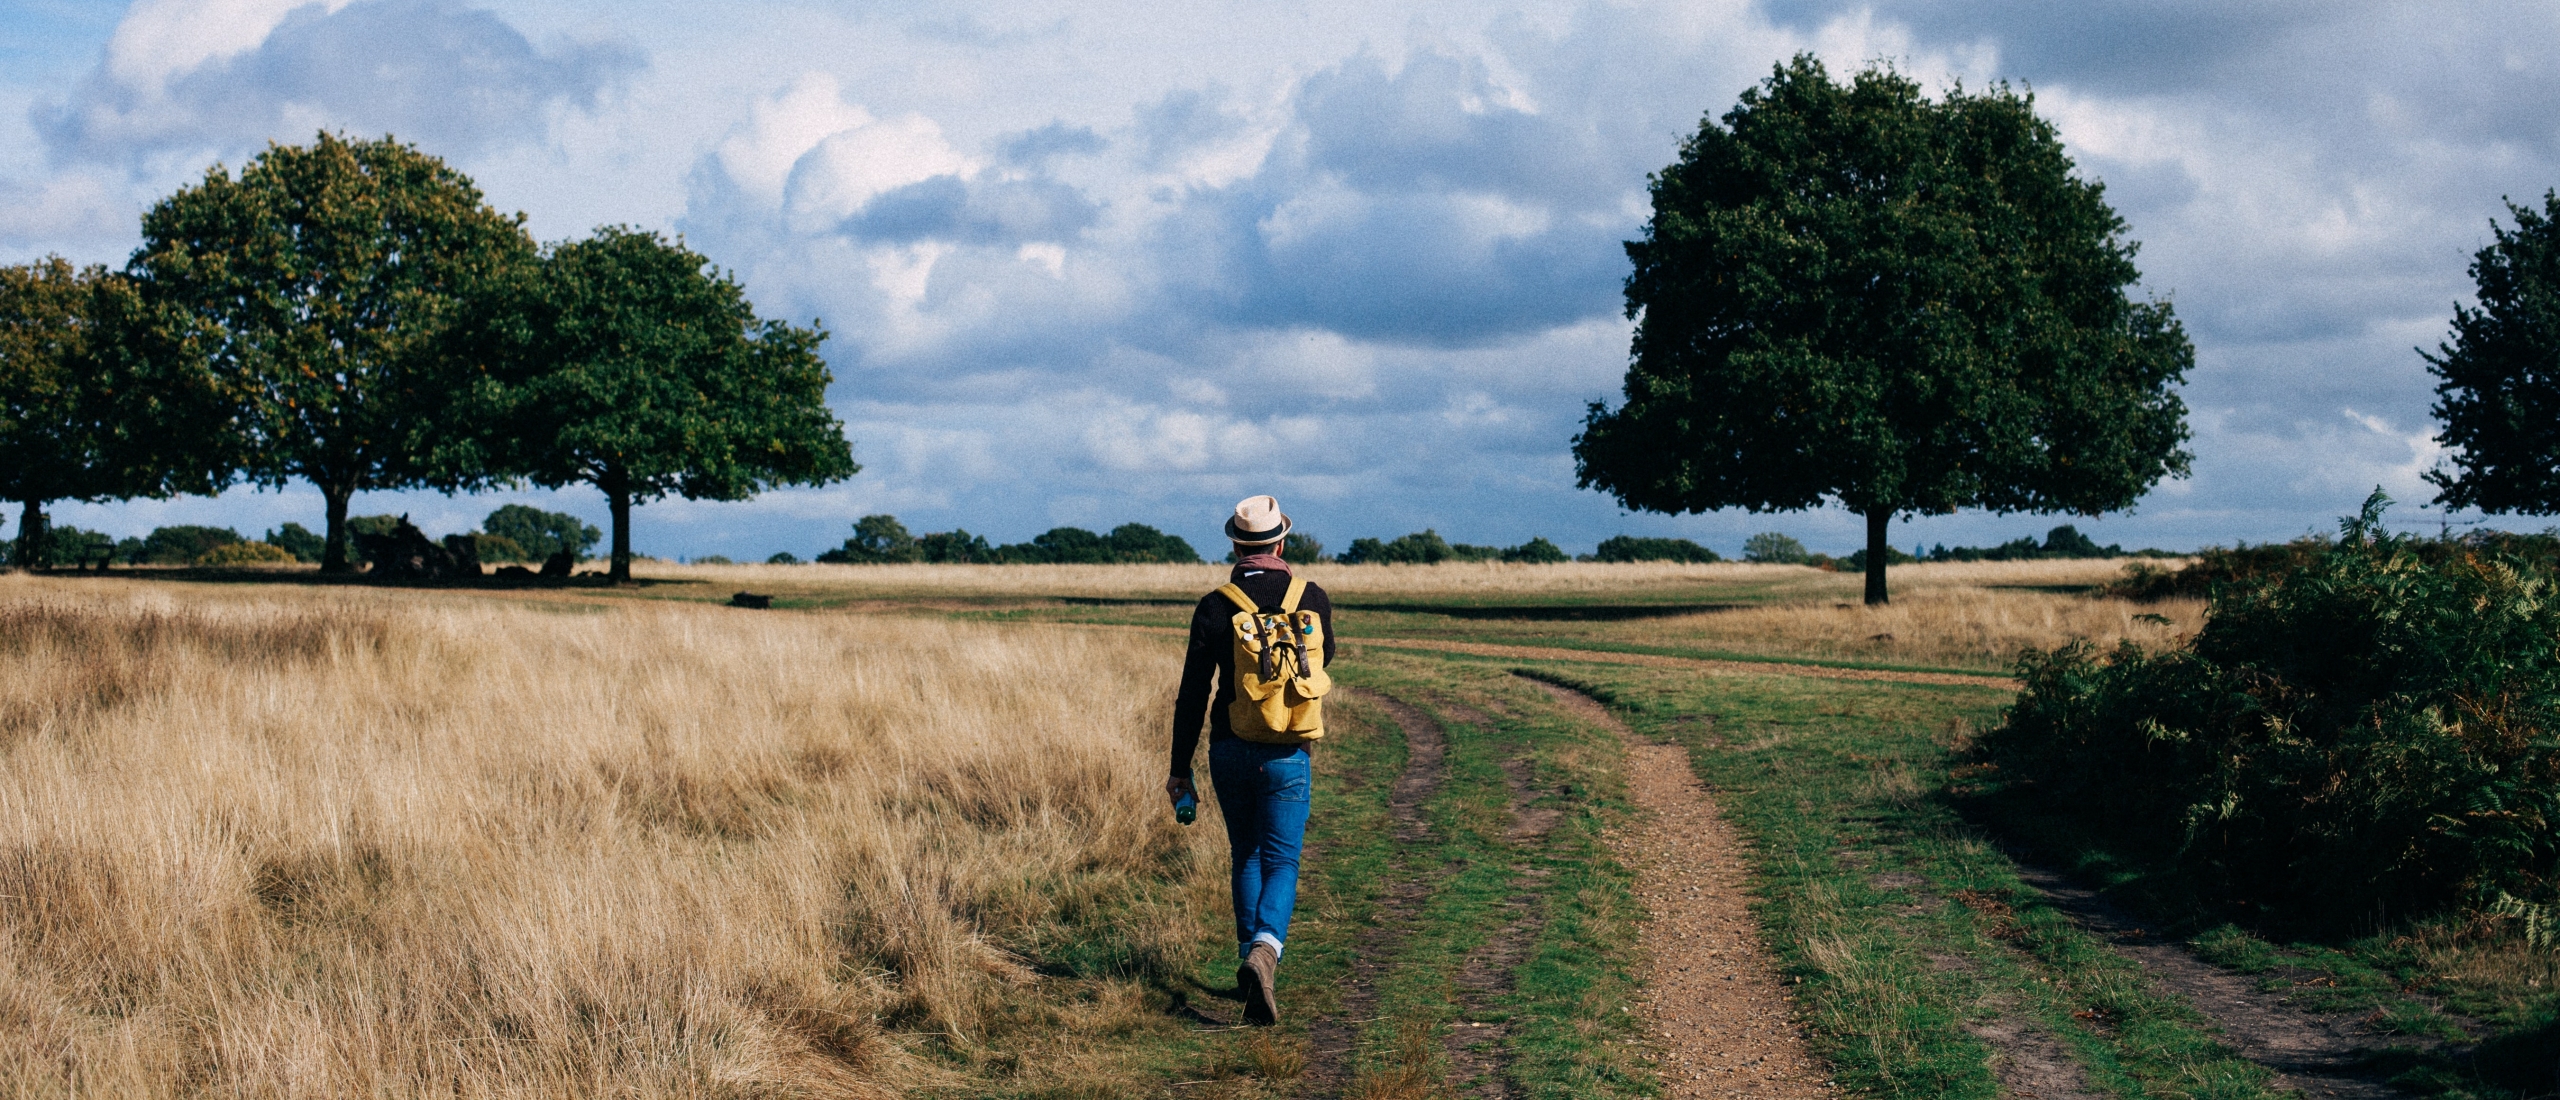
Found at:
[1855, 294]
[2498, 389]
[630, 364]
[96, 401]
[329, 284]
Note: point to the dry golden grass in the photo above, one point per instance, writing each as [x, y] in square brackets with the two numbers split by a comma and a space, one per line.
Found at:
[1942, 625]
[1447, 579]
[1975, 615]
[321, 843]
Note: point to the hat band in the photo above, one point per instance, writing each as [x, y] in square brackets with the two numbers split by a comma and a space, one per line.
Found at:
[1270, 534]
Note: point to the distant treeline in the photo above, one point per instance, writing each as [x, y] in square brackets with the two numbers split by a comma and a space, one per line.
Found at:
[882, 540]
[2062, 543]
[513, 533]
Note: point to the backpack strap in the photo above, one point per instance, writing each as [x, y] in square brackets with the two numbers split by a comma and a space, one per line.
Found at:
[1289, 603]
[1245, 602]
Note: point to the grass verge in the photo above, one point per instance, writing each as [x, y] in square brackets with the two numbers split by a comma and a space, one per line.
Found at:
[1909, 934]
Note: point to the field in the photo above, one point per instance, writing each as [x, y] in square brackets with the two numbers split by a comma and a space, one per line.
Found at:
[902, 835]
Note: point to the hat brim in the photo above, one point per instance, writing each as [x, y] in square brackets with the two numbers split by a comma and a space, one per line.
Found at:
[1242, 537]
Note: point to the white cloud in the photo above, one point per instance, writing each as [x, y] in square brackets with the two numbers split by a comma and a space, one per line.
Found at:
[761, 153]
[220, 78]
[1387, 236]
[161, 39]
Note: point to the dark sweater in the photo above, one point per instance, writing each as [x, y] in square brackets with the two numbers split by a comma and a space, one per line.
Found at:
[1213, 650]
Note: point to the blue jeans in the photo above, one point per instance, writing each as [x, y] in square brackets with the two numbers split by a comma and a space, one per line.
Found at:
[1263, 791]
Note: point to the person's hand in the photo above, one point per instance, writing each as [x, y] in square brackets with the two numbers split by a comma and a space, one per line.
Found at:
[1176, 786]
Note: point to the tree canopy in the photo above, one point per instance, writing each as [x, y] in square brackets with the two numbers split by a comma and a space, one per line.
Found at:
[2498, 388]
[538, 534]
[94, 403]
[326, 284]
[1855, 294]
[628, 363]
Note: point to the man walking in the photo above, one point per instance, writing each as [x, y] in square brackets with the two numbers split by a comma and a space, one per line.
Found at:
[1265, 638]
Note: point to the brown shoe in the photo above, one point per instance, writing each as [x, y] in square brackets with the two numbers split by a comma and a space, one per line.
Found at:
[1258, 981]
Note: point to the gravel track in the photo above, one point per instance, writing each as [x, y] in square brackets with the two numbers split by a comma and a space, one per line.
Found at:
[1716, 1015]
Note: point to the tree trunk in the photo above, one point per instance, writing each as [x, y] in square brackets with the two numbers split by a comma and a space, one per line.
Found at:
[31, 540]
[621, 573]
[333, 556]
[1877, 552]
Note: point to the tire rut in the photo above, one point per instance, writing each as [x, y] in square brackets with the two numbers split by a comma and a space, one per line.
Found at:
[1716, 1017]
[1331, 1040]
[2028, 1060]
[2315, 1053]
[1480, 1044]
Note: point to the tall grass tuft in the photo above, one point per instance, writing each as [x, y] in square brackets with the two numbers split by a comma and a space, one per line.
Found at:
[321, 844]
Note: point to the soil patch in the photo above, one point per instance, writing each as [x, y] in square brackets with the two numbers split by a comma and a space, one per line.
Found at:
[2031, 1063]
[2312, 1052]
[1332, 1039]
[1716, 1015]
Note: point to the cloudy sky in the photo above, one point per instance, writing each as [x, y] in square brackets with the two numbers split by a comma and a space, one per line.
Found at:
[1097, 262]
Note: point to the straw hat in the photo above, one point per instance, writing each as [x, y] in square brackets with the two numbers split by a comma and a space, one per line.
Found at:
[1258, 522]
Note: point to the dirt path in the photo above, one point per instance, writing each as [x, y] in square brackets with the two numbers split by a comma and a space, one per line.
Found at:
[2308, 1051]
[1333, 1039]
[1699, 664]
[1717, 1017]
[1650, 660]
[2028, 1060]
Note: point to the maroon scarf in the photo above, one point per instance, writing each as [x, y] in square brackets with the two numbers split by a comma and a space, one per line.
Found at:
[1262, 561]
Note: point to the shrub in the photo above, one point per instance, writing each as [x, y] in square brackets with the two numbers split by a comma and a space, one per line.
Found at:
[877, 540]
[501, 548]
[66, 546]
[184, 544]
[955, 547]
[1420, 548]
[246, 553]
[299, 541]
[2371, 725]
[783, 557]
[1127, 543]
[1137, 542]
[1536, 551]
[1773, 548]
[538, 534]
[1300, 549]
[1893, 555]
[1631, 548]
[713, 559]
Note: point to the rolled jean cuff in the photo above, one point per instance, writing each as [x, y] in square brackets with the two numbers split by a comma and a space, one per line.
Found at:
[1246, 949]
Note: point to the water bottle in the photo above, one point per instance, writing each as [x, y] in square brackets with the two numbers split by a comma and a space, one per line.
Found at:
[1186, 809]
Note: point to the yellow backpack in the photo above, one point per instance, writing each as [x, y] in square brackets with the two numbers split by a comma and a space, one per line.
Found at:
[1279, 671]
